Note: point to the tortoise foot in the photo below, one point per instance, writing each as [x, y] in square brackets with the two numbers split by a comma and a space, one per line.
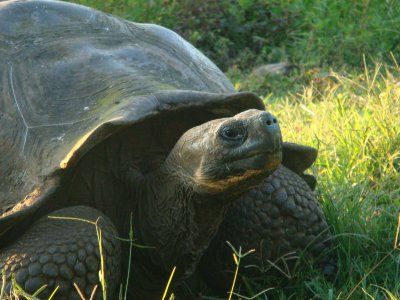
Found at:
[63, 251]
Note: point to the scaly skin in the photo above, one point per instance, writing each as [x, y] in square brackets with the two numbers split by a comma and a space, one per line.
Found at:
[277, 218]
[58, 252]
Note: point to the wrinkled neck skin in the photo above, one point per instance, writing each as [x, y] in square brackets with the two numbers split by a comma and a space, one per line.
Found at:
[176, 222]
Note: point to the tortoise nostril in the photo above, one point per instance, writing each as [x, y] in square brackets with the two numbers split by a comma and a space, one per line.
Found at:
[269, 122]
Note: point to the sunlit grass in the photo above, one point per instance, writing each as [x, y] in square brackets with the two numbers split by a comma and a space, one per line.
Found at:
[354, 121]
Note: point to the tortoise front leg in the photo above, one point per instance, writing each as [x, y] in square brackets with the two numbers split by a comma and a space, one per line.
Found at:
[60, 252]
[280, 219]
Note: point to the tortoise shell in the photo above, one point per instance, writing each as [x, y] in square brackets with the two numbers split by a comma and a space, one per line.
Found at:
[71, 76]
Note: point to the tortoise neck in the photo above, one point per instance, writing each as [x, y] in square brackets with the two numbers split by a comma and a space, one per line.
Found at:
[176, 221]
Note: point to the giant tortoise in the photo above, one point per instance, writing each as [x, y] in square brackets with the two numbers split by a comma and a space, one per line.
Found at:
[109, 127]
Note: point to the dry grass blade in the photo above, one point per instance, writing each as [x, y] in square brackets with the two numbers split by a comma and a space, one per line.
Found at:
[52, 294]
[130, 256]
[396, 238]
[102, 268]
[19, 291]
[237, 256]
[168, 283]
[390, 295]
[371, 271]
[93, 292]
[255, 296]
[79, 291]
[3, 284]
[72, 219]
[102, 265]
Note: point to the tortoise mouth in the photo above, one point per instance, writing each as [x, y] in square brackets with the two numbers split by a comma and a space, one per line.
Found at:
[272, 156]
[239, 175]
[263, 161]
[255, 154]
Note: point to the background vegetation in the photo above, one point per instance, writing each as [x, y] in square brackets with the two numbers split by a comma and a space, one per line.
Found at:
[239, 35]
[340, 93]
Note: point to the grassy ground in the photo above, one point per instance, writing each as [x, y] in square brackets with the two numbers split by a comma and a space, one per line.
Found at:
[354, 121]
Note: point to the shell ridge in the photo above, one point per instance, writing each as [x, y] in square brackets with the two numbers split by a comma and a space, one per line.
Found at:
[27, 127]
[60, 124]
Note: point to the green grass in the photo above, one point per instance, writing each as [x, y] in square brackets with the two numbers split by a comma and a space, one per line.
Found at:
[354, 121]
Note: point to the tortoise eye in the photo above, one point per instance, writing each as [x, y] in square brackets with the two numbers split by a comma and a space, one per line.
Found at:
[233, 134]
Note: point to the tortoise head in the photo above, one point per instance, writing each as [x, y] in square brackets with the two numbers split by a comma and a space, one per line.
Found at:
[230, 155]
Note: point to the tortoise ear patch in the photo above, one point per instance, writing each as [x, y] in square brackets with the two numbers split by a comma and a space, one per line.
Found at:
[298, 158]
